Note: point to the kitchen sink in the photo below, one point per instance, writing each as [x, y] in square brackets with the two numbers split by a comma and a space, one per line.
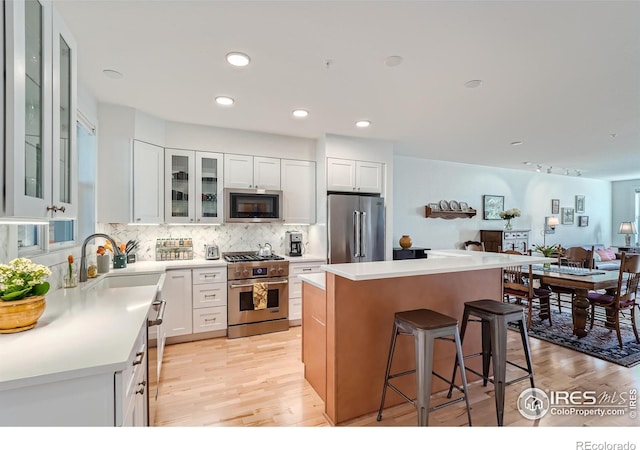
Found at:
[110, 281]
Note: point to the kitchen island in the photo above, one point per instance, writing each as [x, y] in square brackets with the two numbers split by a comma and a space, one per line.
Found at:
[360, 302]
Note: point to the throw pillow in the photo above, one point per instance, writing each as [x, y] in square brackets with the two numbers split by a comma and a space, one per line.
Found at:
[596, 257]
[606, 254]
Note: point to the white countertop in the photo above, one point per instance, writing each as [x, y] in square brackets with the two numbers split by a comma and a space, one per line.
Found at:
[316, 279]
[86, 331]
[82, 332]
[438, 261]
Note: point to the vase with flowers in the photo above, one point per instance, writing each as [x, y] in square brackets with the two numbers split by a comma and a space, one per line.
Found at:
[70, 279]
[23, 286]
[508, 215]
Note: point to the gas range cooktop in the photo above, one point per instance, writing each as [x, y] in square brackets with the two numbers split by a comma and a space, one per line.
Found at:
[240, 257]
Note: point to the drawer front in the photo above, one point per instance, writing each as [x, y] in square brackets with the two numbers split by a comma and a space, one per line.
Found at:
[209, 319]
[209, 295]
[295, 308]
[299, 269]
[210, 275]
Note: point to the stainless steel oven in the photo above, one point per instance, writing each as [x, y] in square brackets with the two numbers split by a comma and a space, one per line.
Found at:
[244, 317]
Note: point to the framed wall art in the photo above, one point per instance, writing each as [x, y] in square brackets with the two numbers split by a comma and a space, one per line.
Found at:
[567, 216]
[583, 221]
[555, 206]
[579, 204]
[493, 205]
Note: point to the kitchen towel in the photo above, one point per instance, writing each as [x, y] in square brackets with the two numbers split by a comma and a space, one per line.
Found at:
[259, 295]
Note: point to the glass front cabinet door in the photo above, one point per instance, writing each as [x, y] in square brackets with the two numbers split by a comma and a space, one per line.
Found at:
[208, 187]
[194, 186]
[40, 59]
[179, 186]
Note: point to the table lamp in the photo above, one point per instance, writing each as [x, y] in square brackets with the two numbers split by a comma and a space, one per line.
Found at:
[627, 228]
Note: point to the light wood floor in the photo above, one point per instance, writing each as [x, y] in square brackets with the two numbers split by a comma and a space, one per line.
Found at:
[259, 381]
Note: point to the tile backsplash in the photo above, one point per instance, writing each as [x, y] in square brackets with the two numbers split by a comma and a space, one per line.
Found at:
[228, 237]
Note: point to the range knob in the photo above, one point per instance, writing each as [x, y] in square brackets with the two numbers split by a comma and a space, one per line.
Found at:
[280, 270]
[236, 272]
[245, 273]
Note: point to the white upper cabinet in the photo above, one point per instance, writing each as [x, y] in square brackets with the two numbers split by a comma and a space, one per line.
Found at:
[347, 175]
[40, 112]
[148, 183]
[251, 172]
[299, 191]
[369, 177]
[193, 192]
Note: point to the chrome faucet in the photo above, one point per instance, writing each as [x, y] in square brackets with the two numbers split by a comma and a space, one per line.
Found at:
[83, 257]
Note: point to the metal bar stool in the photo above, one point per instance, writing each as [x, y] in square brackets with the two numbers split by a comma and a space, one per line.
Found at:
[494, 317]
[425, 326]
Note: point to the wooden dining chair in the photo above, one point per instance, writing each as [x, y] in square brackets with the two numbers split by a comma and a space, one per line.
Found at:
[573, 257]
[518, 283]
[474, 246]
[622, 303]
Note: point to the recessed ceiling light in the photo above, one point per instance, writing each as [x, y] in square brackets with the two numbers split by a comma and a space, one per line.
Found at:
[224, 101]
[538, 167]
[566, 171]
[392, 61]
[112, 74]
[613, 135]
[363, 123]
[549, 169]
[238, 59]
[526, 163]
[300, 113]
[516, 143]
[473, 83]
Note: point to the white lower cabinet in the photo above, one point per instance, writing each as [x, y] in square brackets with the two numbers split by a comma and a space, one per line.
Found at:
[295, 286]
[178, 320]
[131, 387]
[196, 303]
[96, 399]
[209, 299]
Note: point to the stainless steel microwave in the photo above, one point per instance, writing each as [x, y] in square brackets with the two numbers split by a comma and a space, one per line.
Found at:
[252, 205]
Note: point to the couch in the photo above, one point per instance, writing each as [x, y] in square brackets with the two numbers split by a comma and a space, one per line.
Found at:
[600, 262]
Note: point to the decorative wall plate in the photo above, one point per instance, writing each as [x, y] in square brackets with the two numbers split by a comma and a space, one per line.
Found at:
[444, 205]
[434, 206]
[455, 206]
[464, 206]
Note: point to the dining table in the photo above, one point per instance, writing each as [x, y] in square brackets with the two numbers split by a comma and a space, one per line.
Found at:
[582, 281]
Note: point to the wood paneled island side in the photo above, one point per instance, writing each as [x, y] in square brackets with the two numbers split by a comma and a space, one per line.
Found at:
[360, 302]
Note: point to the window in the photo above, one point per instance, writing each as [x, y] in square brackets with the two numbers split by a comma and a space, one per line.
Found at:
[34, 239]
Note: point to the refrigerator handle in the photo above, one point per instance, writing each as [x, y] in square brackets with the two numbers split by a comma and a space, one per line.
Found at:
[363, 237]
[356, 232]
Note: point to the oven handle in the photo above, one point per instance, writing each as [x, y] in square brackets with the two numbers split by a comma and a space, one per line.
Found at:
[268, 283]
[159, 316]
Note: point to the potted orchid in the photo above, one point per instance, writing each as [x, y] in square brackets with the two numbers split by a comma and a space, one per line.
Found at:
[508, 215]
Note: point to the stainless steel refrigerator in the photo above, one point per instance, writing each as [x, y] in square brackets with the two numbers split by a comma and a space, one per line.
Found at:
[355, 228]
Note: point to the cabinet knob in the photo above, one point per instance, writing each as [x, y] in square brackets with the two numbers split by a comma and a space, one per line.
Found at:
[190, 220]
[138, 219]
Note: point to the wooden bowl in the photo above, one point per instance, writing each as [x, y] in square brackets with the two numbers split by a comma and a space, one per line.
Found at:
[20, 315]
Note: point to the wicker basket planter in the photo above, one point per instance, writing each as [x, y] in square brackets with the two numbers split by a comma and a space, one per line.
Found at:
[20, 315]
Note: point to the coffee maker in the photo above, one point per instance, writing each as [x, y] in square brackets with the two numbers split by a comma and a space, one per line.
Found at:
[293, 243]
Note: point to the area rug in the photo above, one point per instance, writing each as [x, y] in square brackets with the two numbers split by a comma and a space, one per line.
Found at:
[599, 342]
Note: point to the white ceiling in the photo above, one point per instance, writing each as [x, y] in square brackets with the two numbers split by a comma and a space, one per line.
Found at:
[561, 76]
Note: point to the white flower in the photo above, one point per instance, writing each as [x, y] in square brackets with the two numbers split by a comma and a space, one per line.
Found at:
[510, 213]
